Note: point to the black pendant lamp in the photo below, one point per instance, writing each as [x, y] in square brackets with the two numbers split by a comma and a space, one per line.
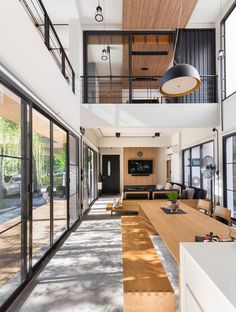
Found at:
[180, 80]
[98, 14]
[104, 56]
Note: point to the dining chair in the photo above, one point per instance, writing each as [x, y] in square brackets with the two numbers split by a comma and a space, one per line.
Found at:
[205, 206]
[222, 214]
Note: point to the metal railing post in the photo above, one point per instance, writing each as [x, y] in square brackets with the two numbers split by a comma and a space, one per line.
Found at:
[46, 31]
[63, 63]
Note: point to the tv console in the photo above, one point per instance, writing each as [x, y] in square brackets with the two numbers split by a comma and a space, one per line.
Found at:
[138, 191]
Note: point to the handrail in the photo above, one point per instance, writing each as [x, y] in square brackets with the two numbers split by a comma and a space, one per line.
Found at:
[141, 89]
[63, 60]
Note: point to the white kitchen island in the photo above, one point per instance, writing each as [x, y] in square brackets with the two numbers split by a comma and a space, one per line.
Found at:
[208, 277]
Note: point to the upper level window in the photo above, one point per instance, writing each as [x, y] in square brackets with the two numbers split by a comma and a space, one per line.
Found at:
[230, 56]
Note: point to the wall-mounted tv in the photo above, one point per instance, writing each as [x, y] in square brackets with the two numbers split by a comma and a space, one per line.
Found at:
[140, 167]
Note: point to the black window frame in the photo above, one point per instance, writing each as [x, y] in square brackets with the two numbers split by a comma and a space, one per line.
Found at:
[29, 102]
[223, 47]
[190, 166]
[225, 199]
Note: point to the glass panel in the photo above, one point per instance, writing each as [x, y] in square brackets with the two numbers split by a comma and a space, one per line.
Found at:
[187, 158]
[10, 229]
[41, 184]
[10, 123]
[90, 175]
[108, 168]
[196, 162]
[230, 47]
[73, 150]
[85, 177]
[73, 180]
[207, 185]
[231, 149]
[10, 259]
[187, 175]
[196, 180]
[230, 176]
[59, 181]
[73, 208]
[231, 203]
[207, 149]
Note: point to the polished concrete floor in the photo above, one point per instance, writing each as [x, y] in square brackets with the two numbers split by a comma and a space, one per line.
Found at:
[86, 273]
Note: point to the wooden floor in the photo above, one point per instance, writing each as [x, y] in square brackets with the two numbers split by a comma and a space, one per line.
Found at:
[10, 241]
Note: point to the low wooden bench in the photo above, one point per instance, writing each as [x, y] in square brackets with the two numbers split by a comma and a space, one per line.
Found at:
[146, 285]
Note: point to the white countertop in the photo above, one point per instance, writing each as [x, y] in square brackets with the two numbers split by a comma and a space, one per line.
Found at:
[218, 261]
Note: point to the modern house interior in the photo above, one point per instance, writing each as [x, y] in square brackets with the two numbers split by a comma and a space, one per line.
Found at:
[118, 155]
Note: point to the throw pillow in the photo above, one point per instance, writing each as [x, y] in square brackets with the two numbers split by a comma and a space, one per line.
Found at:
[184, 194]
[190, 192]
[159, 187]
[177, 188]
[168, 186]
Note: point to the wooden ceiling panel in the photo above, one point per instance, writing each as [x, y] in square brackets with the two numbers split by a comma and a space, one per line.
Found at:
[156, 14]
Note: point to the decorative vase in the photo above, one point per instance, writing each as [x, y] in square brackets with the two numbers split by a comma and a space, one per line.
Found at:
[173, 206]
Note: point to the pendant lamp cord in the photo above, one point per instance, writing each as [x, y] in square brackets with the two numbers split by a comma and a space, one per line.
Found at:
[104, 25]
[177, 31]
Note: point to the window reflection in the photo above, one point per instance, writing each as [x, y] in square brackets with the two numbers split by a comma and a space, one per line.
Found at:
[41, 184]
[59, 181]
[11, 183]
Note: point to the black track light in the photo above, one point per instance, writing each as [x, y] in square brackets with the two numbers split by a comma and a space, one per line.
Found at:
[117, 134]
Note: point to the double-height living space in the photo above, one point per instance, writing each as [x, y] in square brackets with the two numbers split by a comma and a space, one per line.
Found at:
[117, 155]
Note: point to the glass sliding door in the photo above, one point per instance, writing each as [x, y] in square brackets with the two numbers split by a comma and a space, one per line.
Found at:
[59, 181]
[13, 203]
[192, 160]
[230, 174]
[196, 165]
[89, 175]
[207, 150]
[187, 167]
[86, 177]
[74, 202]
[35, 170]
[41, 182]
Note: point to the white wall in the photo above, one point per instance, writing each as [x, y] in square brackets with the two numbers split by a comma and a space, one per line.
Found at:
[91, 137]
[161, 165]
[24, 54]
[176, 159]
[149, 115]
[134, 142]
[193, 136]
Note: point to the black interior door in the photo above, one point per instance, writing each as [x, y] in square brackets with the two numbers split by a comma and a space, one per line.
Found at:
[111, 174]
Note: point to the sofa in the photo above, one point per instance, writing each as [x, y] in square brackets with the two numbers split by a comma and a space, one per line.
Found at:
[151, 192]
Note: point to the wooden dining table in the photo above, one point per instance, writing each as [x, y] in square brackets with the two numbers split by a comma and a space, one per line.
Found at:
[176, 228]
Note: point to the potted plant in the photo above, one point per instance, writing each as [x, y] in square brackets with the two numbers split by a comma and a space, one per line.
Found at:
[173, 202]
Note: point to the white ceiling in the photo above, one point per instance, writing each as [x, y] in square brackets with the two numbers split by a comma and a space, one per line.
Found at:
[135, 132]
[112, 11]
[207, 11]
[61, 11]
